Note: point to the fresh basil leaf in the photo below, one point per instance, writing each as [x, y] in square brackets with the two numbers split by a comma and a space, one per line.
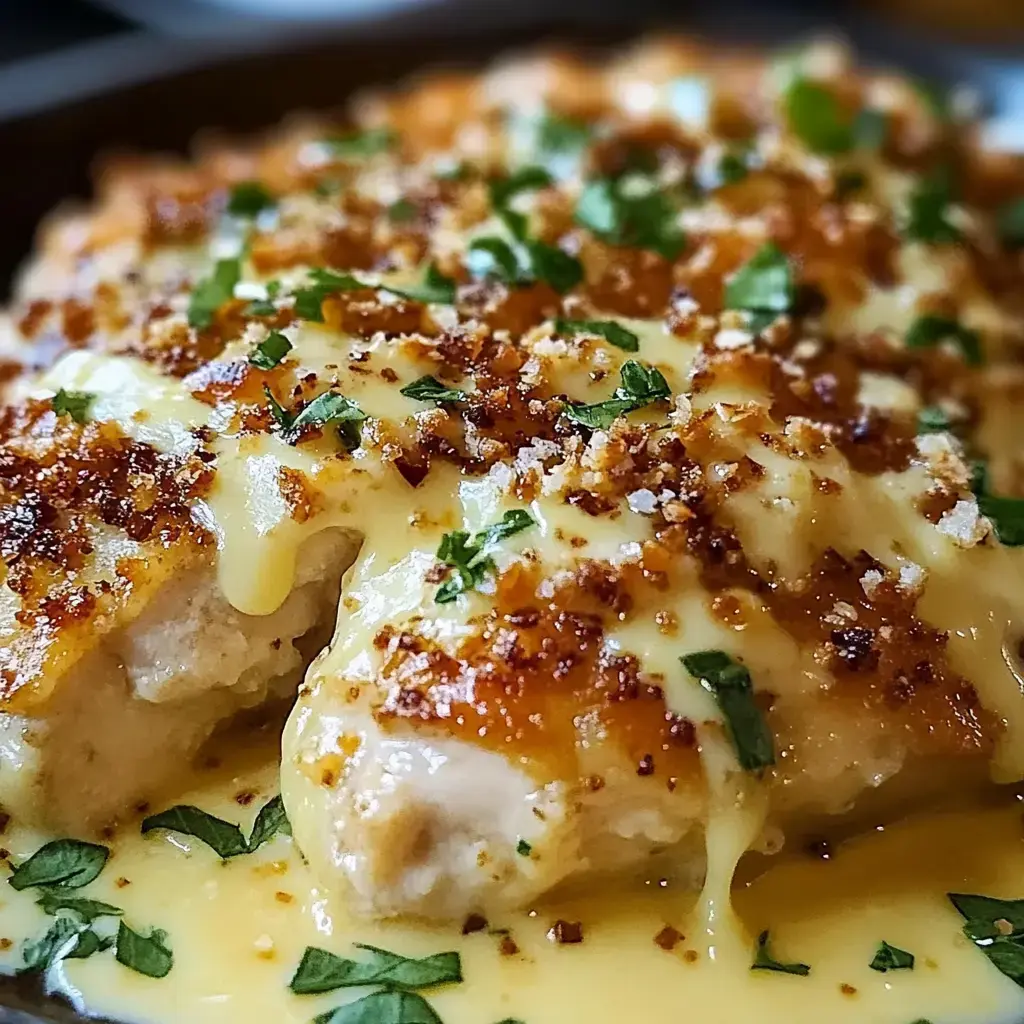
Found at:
[384, 1007]
[323, 283]
[68, 863]
[72, 403]
[644, 220]
[435, 288]
[281, 415]
[557, 134]
[523, 848]
[327, 409]
[212, 292]
[549, 263]
[640, 386]
[816, 117]
[611, 331]
[733, 166]
[996, 927]
[492, 257]
[928, 331]
[361, 143]
[225, 839]
[470, 559]
[729, 683]
[88, 944]
[764, 285]
[1010, 223]
[144, 954]
[928, 209]
[429, 389]
[249, 199]
[53, 900]
[891, 958]
[270, 351]
[528, 261]
[870, 129]
[322, 971]
[260, 307]
[1007, 516]
[764, 961]
[271, 820]
[61, 940]
[525, 179]
[932, 419]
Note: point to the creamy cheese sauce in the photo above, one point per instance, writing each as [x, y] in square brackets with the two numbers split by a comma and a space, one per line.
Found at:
[238, 929]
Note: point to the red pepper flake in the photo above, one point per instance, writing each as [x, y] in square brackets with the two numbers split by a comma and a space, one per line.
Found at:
[566, 932]
[668, 938]
[847, 990]
[122, 882]
[474, 923]
[245, 798]
[507, 946]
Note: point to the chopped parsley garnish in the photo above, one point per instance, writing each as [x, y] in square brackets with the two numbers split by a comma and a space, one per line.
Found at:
[212, 292]
[557, 134]
[401, 211]
[322, 971]
[526, 179]
[764, 961]
[816, 117]
[265, 307]
[611, 331]
[1006, 514]
[732, 166]
[384, 1007]
[640, 386]
[729, 683]
[928, 209]
[224, 838]
[928, 331]
[270, 351]
[470, 558]
[525, 262]
[763, 287]
[435, 287]
[65, 939]
[53, 900]
[69, 863]
[932, 419]
[144, 954]
[249, 199]
[361, 144]
[870, 129]
[325, 410]
[891, 958]
[1010, 223]
[619, 214]
[523, 848]
[996, 927]
[72, 403]
[429, 389]
[323, 283]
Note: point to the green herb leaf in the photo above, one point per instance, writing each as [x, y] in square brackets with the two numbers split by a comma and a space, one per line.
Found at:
[72, 403]
[928, 331]
[470, 559]
[733, 166]
[640, 386]
[65, 939]
[891, 958]
[249, 198]
[322, 971]
[762, 286]
[88, 943]
[327, 409]
[225, 839]
[271, 820]
[644, 220]
[816, 117]
[402, 211]
[324, 283]
[270, 351]
[525, 179]
[384, 1007]
[996, 927]
[549, 263]
[523, 848]
[69, 863]
[729, 683]
[932, 419]
[492, 257]
[557, 134]
[53, 900]
[764, 961]
[928, 210]
[608, 329]
[870, 129]
[528, 261]
[212, 292]
[435, 288]
[1006, 514]
[361, 143]
[144, 954]
[1010, 223]
[429, 389]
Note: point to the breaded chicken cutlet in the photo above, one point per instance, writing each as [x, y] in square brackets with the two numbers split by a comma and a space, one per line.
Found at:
[660, 414]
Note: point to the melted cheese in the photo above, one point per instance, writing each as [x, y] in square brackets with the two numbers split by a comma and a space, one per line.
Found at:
[238, 929]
